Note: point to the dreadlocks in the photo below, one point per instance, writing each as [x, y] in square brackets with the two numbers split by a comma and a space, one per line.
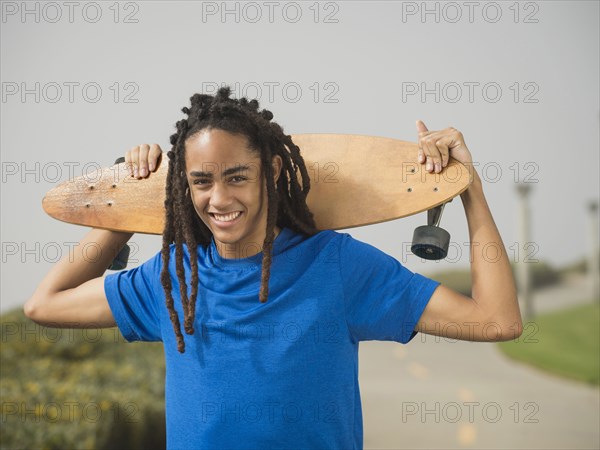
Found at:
[286, 200]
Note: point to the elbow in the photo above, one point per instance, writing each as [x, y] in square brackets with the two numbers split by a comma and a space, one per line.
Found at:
[30, 309]
[510, 331]
[518, 329]
[513, 331]
[504, 324]
[34, 310]
[515, 325]
[502, 331]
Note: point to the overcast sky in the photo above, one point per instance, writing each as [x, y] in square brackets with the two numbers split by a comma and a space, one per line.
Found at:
[81, 84]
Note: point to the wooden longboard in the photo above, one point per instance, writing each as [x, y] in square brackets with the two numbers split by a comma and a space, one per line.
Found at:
[355, 180]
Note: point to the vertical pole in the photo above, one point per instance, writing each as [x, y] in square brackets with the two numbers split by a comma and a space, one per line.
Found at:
[593, 269]
[523, 269]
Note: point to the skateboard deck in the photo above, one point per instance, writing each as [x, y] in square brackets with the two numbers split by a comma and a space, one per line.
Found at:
[355, 180]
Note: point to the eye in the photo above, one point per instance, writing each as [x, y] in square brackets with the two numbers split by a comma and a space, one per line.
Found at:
[201, 181]
[238, 178]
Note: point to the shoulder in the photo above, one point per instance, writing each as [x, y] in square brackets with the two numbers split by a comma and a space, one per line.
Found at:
[339, 246]
[323, 241]
[342, 240]
[349, 244]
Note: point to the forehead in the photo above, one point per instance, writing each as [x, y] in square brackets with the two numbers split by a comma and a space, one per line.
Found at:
[215, 150]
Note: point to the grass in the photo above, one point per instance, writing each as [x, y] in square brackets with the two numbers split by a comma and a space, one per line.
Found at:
[565, 343]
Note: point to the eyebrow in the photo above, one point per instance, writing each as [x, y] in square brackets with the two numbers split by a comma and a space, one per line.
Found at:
[226, 172]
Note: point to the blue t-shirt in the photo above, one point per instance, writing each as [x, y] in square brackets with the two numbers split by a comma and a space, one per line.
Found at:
[280, 374]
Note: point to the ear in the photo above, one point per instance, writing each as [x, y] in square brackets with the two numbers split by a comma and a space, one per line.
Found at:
[277, 164]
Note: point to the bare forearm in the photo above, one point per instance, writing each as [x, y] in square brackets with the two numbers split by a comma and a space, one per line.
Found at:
[493, 284]
[87, 260]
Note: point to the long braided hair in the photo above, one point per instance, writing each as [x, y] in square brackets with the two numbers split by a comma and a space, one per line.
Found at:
[286, 200]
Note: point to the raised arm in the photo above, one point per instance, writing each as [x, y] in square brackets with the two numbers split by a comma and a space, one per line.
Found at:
[492, 313]
[72, 294]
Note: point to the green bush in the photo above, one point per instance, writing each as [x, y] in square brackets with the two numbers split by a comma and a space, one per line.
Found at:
[69, 388]
[542, 274]
[579, 267]
[456, 279]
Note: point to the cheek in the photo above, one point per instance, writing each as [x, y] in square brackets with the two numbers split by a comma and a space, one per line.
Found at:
[197, 201]
[258, 195]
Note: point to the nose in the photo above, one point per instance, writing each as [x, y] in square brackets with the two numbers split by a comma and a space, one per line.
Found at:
[220, 196]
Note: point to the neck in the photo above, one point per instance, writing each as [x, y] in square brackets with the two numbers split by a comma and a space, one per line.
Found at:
[233, 251]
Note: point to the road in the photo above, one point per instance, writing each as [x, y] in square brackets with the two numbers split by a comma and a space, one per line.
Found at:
[439, 393]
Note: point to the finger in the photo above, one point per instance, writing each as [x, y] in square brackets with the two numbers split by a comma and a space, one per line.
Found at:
[154, 157]
[442, 141]
[429, 155]
[143, 160]
[425, 154]
[421, 128]
[422, 131]
[129, 160]
[434, 157]
[427, 145]
[442, 145]
[421, 155]
[133, 160]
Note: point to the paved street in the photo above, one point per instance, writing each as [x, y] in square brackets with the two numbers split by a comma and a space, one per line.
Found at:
[438, 393]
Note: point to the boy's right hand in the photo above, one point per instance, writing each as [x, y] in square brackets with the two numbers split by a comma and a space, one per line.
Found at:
[143, 159]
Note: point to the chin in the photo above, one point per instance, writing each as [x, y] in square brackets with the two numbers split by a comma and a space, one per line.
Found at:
[225, 238]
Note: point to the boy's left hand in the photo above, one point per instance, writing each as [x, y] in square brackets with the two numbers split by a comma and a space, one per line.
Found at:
[435, 147]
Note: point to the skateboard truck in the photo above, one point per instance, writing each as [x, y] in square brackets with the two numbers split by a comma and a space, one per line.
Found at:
[430, 241]
[120, 261]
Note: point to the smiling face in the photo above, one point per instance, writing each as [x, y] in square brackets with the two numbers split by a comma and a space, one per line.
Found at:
[227, 190]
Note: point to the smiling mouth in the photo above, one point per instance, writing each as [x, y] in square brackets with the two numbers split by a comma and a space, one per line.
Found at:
[226, 217]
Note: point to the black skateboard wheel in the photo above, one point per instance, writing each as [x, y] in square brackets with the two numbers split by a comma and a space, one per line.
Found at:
[120, 262]
[430, 242]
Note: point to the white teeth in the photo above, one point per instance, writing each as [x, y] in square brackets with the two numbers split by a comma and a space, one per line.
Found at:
[226, 218]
